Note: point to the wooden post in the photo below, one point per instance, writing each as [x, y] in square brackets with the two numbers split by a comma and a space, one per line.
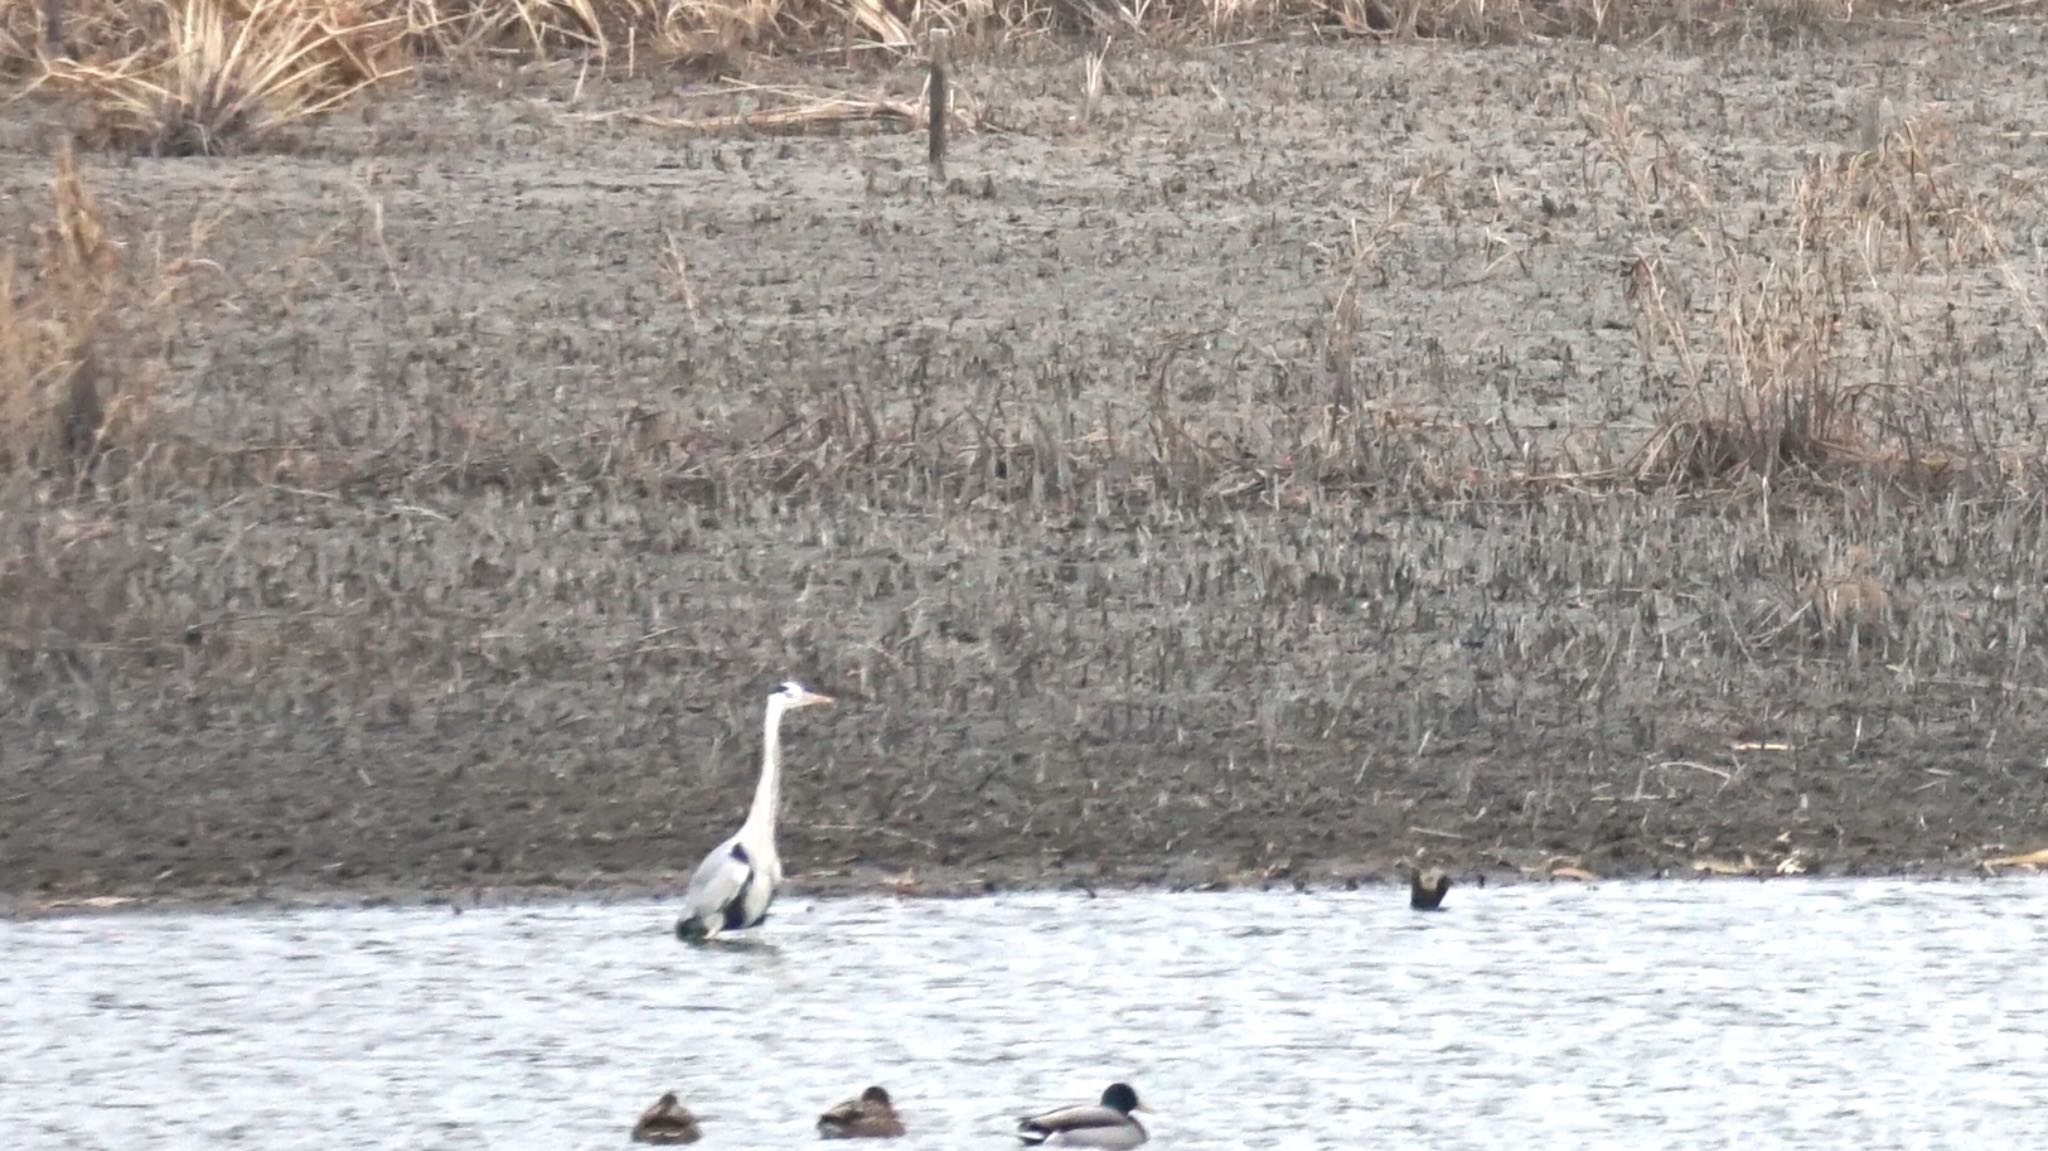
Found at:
[939, 102]
[53, 27]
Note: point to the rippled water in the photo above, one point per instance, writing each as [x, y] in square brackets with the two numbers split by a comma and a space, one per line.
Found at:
[1753, 1015]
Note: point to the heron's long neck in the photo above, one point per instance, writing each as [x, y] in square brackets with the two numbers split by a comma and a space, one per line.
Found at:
[768, 795]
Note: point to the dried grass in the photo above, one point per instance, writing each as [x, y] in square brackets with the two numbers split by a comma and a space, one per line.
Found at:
[107, 30]
[790, 111]
[225, 74]
[83, 325]
[1769, 384]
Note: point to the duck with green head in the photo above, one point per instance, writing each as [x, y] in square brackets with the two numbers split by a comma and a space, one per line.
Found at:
[1107, 1124]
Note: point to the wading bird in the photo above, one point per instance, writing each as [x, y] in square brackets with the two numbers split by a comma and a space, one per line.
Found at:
[1426, 890]
[1105, 1124]
[872, 1116]
[736, 882]
[666, 1122]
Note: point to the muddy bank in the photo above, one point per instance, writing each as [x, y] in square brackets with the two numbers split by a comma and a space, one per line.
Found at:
[1222, 491]
[921, 882]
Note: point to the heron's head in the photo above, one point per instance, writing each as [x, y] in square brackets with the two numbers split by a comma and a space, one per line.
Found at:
[793, 695]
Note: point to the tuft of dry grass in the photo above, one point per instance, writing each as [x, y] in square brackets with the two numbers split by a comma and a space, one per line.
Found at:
[52, 410]
[788, 111]
[225, 74]
[1772, 382]
[81, 332]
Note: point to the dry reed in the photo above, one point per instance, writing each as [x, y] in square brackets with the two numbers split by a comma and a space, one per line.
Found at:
[222, 74]
[1770, 383]
[71, 385]
[115, 29]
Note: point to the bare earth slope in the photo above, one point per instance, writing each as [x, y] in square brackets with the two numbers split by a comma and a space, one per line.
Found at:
[1147, 498]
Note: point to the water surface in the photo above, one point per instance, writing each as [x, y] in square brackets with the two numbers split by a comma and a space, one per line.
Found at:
[1809, 1014]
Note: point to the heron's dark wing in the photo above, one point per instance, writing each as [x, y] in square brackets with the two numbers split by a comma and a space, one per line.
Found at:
[719, 883]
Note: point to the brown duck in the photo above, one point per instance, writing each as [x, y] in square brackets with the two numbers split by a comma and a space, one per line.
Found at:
[666, 1122]
[872, 1116]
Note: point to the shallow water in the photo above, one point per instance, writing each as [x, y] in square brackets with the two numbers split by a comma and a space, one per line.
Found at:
[1755, 1015]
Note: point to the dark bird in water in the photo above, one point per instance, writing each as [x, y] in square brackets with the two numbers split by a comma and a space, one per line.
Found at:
[666, 1122]
[872, 1116]
[1426, 890]
[1105, 1124]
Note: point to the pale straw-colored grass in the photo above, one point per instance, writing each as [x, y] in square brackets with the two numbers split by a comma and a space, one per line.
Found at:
[225, 74]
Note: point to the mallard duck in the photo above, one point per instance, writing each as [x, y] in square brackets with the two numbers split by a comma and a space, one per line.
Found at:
[1426, 890]
[872, 1116]
[1105, 1124]
[666, 1122]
